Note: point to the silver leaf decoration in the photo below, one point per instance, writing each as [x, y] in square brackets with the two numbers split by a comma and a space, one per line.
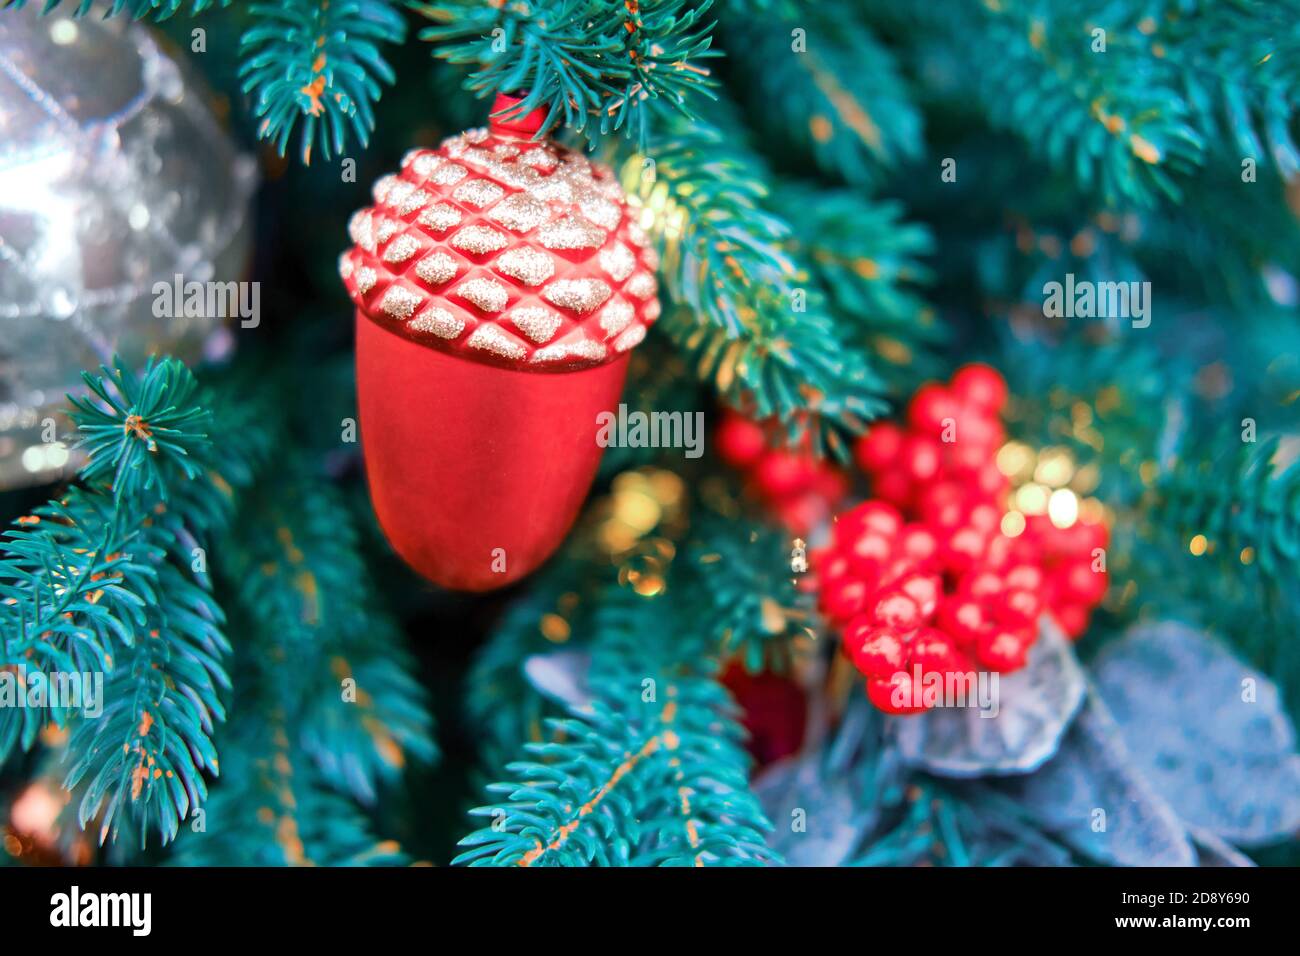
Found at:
[1035, 706]
[1224, 759]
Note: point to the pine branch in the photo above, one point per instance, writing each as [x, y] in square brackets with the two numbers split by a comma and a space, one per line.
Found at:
[748, 313]
[1238, 501]
[822, 83]
[867, 259]
[597, 68]
[159, 10]
[1237, 63]
[744, 589]
[110, 580]
[1114, 118]
[651, 774]
[318, 61]
[332, 661]
[275, 808]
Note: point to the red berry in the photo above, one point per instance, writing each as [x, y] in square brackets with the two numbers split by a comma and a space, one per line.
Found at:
[875, 516]
[740, 442]
[963, 618]
[921, 457]
[876, 651]
[1073, 618]
[925, 589]
[980, 432]
[782, 473]
[896, 609]
[985, 517]
[1004, 650]
[1001, 552]
[893, 486]
[869, 553]
[802, 513]
[1024, 577]
[982, 585]
[980, 386]
[895, 694]
[830, 565]
[895, 569]
[935, 651]
[831, 484]
[1019, 608]
[918, 543]
[942, 505]
[844, 598]
[964, 549]
[878, 447]
[1078, 582]
[990, 482]
[932, 408]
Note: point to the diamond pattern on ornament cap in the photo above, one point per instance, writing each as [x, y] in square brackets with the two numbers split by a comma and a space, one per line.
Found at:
[439, 321]
[487, 294]
[504, 251]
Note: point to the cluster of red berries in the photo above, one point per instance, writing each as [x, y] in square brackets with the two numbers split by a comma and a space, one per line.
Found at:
[922, 580]
[800, 489]
[1072, 559]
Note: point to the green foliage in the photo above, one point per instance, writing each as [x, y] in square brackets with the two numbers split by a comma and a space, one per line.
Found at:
[317, 648]
[1239, 500]
[650, 773]
[273, 808]
[746, 311]
[318, 61]
[743, 588]
[819, 81]
[137, 9]
[1114, 118]
[869, 262]
[596, 67]
[109, 580]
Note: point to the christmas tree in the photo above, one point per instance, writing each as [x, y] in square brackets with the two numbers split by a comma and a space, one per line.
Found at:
[969, 361]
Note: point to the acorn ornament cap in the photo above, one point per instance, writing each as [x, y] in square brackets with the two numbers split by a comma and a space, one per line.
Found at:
[500, 283]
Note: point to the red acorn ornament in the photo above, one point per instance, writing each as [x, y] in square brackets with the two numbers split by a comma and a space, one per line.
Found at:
[499, 283]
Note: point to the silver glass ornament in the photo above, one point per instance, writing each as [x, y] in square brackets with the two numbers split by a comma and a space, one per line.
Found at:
[115, 175]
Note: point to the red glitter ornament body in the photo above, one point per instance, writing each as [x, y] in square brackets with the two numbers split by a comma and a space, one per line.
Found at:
[499, 284]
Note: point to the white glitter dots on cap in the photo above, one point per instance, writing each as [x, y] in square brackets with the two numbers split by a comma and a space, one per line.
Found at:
[439, 322]
[492, 339]
[580, 295]
[571, 232]
[479, 240]
[399, 303]
[535, 322]
[518, 212]
[478, 192]
[436, 269]
[439, 218]
[486, 294]
[401, 249]
[530, 266]
[617, 261]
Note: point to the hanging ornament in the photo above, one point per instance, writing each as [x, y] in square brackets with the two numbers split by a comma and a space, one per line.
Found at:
[114, 176]
[500, 283]
[935, 575]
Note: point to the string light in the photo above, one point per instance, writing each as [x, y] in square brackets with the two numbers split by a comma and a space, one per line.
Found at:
[1063, 508]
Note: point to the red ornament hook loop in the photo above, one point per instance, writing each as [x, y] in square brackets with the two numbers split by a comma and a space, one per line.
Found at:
[506, 120]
